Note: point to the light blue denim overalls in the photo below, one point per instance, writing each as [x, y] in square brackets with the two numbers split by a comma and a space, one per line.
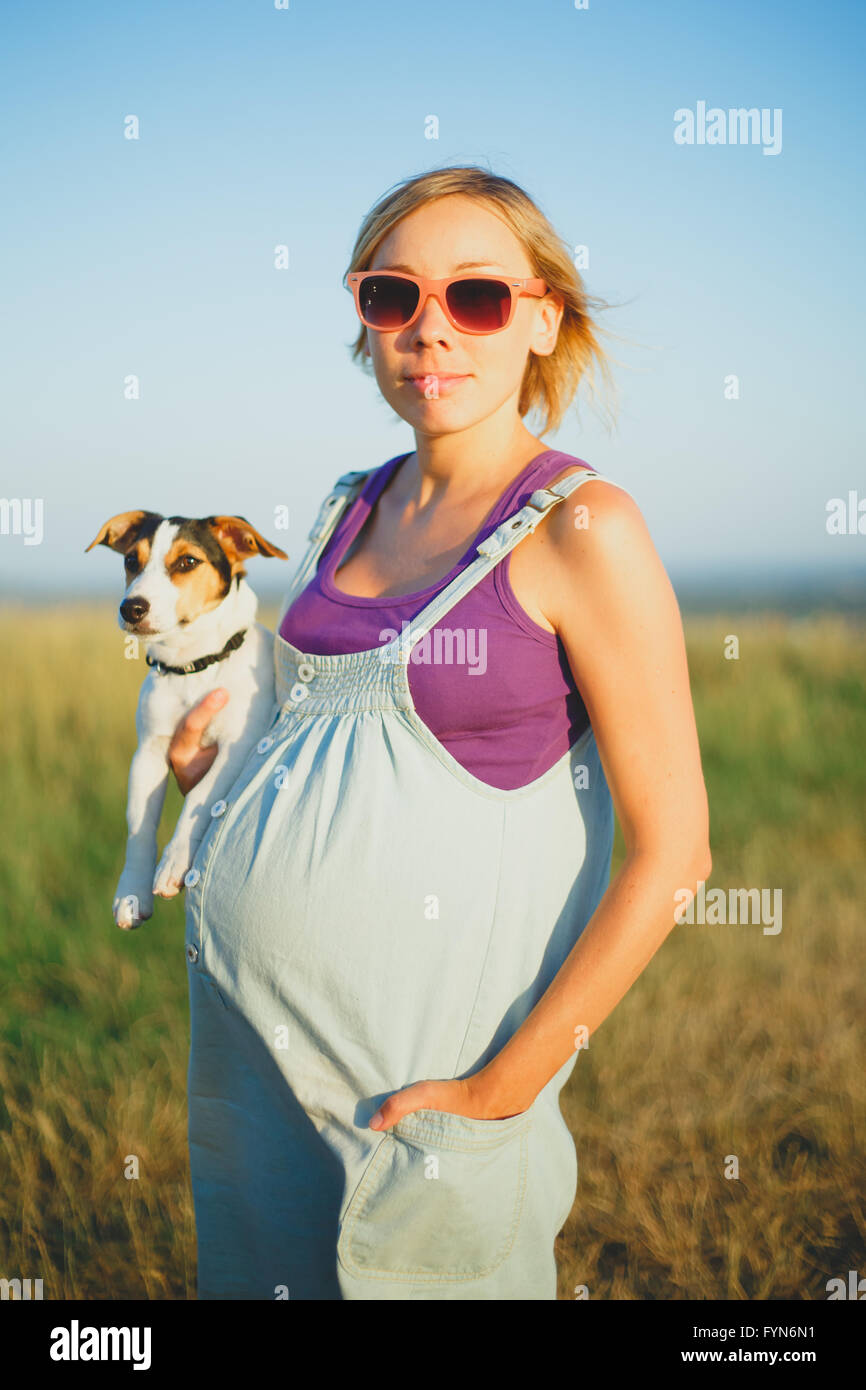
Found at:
[363, 913]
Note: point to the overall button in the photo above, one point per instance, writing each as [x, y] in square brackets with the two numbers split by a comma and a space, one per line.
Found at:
[306, 672]
[265, 743]
[218, 808]
[298, 691]
[192, 953]
[191, 877]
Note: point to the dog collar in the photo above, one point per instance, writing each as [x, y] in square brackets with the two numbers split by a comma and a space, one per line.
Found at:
[202, 662]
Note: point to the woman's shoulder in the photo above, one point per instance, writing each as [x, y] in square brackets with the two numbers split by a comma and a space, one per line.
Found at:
[598, 517]
[600, 557]
[607, 496]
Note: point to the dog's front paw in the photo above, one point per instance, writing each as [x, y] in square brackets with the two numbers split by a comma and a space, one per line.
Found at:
[131, 908]
[168, 879]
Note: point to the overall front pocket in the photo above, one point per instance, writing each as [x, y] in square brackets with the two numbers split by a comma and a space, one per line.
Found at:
[441, 1199]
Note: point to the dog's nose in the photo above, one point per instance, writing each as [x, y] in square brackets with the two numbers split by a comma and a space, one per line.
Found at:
[132, 610]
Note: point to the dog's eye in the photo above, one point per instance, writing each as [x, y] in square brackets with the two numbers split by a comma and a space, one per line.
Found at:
[130, 562]
[187, 562]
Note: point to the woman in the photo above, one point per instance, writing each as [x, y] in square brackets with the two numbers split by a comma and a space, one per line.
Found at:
[399, 927]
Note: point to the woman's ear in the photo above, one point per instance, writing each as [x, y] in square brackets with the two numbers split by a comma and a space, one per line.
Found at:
[546, 332]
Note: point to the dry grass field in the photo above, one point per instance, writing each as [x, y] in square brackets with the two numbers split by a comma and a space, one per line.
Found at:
[733, 1042]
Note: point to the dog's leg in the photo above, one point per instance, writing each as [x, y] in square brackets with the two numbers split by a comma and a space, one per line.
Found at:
[148, 779]
[196, 814]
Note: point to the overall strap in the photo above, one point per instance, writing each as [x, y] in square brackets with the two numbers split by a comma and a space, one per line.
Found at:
[341, 496]
[489, 552]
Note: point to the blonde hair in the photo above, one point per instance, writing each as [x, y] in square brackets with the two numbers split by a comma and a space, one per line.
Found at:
[549, 383]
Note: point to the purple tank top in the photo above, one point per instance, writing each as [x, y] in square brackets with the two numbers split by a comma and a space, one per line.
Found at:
[502, 698]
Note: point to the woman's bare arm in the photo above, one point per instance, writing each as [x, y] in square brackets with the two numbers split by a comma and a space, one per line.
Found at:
[617, 617]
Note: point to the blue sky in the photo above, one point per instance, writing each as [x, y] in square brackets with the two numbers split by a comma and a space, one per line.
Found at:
[261, 127]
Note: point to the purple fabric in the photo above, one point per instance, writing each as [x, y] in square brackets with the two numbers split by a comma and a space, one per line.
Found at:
[499, 694]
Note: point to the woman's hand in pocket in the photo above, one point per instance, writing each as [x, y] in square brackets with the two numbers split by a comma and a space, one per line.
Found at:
[466, 1096]
[189, 758]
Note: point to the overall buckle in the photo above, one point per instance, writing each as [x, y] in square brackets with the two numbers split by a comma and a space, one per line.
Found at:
[543, 498]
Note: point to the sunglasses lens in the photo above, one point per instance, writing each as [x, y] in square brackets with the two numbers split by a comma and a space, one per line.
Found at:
[480, 305]
[387, 302]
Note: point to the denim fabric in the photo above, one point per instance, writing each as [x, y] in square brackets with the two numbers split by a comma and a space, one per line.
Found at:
[363, 913]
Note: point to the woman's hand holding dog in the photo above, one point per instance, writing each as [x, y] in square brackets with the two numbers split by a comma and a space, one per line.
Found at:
[188, 758]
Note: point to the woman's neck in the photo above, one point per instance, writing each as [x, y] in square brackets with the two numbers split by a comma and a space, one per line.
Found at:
[446, 472]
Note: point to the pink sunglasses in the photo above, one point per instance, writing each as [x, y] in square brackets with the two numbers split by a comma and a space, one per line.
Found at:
[389, 300]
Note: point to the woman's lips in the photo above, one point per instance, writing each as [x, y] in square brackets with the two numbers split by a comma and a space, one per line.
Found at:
[433, 385]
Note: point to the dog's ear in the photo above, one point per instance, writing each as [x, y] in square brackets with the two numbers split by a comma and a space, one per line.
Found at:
[122, 530]
[240, 541]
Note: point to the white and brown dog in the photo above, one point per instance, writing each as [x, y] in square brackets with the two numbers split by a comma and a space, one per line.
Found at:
[187, 599]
